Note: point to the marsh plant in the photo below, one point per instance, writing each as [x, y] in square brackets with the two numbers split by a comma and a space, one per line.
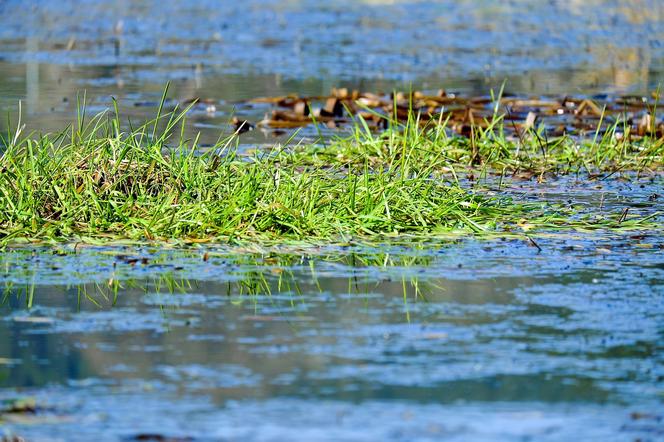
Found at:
[96, 181]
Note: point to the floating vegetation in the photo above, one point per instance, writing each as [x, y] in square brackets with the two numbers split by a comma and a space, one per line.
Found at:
[633, 116]
[96, 182]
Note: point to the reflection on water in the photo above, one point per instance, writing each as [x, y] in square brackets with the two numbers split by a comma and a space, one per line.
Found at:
[228, 51]
[398, 341]
[404, 40]
[463, 340]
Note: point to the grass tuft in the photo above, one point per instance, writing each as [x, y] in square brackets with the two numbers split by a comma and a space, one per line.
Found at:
[97, 182]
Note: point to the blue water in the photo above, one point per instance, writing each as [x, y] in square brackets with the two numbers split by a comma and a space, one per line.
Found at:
[467, 340]
[553, 44]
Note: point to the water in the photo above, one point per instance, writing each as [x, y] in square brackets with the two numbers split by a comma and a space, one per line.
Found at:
[229, 51]
[459, 340]
[456, 341]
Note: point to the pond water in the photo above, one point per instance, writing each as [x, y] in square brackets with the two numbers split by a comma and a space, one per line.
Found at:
[465, 340]
[228, 51]
[459, 340]
[454, 340]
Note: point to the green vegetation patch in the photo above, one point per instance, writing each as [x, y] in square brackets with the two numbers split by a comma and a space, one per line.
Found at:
[496, 133]
[491, 148]
[96, 182]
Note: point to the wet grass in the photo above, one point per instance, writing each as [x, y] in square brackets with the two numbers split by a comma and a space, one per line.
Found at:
[498, 147]
[95, 182]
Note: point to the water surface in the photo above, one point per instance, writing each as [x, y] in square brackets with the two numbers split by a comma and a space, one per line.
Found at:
[228, 51]
[467, 340]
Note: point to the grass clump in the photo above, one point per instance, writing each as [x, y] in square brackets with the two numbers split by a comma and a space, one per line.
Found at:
[497, 146]
[96, 182]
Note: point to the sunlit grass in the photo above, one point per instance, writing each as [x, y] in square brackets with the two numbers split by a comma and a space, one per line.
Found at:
[95, 182]
[492, 149]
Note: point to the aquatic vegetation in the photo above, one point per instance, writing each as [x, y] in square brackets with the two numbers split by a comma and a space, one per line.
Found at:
[97, 182]
[503, 135]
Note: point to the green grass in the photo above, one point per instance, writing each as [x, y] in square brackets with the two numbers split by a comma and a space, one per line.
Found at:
[492, 149]
[95, 182]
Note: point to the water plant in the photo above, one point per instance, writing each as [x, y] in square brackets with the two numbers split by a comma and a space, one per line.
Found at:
[495, 144]
[96, 181]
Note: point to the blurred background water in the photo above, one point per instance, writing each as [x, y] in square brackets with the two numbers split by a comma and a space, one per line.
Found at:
[230, 50]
